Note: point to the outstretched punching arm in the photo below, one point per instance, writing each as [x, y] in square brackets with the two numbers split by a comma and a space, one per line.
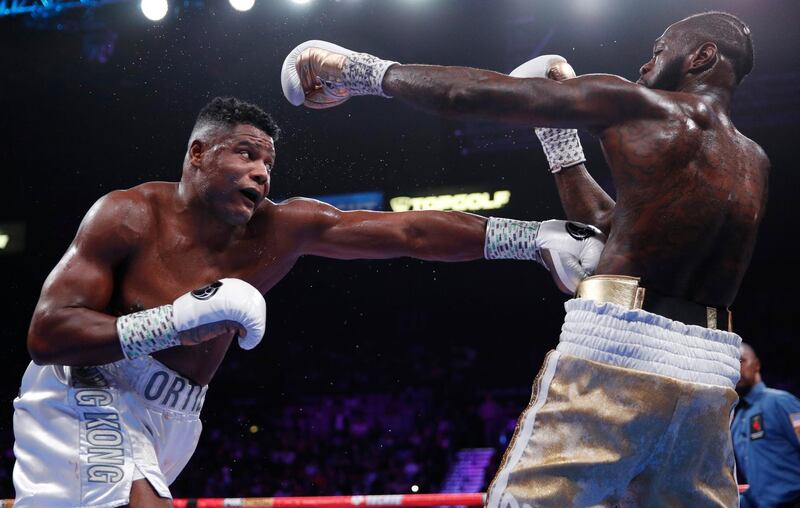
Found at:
[362, 234]
[592, 101]
[570, 251]
[319, 74]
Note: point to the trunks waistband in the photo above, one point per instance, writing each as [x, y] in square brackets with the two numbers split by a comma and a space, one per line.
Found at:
[647, 342]
[626, 292]
[153, 383]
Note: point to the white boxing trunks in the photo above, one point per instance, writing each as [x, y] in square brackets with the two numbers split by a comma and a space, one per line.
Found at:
[83, 434]
[631, 409]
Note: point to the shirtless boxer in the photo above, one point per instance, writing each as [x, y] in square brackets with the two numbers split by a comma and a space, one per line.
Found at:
[633, 405]
[108, 411]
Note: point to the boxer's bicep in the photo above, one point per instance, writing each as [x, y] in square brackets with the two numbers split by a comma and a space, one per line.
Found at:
[82, 278]
[358, 234]
[594, 101]
[78, 290]
[84, 275]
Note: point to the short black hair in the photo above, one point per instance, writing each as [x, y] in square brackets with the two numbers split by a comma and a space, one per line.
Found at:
[731, 35]
[231, 111]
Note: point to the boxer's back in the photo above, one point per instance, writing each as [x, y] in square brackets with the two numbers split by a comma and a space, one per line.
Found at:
[691, 192]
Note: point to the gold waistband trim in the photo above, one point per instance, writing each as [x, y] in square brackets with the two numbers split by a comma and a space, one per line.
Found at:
[618, 289]
[626, 292]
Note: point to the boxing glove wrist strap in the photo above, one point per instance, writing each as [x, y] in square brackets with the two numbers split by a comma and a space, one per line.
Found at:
[562, 147]
[146, 332]
[362, 74]
[511, 239]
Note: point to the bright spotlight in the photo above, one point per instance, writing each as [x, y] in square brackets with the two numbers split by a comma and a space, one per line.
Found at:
[154, 10]
[301, 1]
[242, 5]
[414, 488]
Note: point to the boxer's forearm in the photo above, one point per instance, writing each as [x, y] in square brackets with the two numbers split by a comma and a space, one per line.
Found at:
[73, 336]
[428, 235]
[445, 236]
[468, 92]
[583, 199]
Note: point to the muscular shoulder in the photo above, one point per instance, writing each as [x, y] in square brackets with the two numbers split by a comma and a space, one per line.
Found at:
[620, 100]
[304, 213]
[122, 217]
[699, 110]
[758, 153]
[297, 219]
[134, 207]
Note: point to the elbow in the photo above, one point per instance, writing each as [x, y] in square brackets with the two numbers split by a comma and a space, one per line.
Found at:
[460, 99]
[413, 239]
[39, 351]
[601, 219]
[40, 346]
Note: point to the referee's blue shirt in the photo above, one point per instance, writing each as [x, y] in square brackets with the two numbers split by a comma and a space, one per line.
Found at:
[766, 440]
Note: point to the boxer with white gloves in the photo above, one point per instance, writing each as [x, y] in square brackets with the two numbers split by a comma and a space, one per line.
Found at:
[120, 374]
[119, 425]
[633, 406]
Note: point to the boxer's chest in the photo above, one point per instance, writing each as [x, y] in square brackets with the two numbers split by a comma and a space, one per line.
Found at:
[169, 265]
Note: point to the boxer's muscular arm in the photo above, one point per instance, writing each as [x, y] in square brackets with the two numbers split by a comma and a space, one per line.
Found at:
[70, 325]
[593, 101]
[583, 199]
[429, 235]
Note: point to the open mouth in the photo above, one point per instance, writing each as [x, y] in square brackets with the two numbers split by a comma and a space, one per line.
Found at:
[252, 195]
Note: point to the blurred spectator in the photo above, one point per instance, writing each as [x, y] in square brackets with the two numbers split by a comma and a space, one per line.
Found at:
[766, 439]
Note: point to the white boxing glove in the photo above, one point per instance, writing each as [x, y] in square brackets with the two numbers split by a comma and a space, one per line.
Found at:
[562, 147]
[159, 328]
[224, 300]
[320, 75]
[542, 66]
[569, 250]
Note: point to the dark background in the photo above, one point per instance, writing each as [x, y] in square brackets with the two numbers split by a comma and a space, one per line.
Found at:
[107, 101]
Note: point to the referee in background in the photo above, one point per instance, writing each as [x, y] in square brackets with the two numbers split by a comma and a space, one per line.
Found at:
[766, 439]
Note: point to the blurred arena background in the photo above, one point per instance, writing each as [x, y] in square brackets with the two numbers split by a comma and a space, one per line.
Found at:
[374, 377]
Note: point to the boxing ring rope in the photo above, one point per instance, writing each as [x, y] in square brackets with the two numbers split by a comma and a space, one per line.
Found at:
[372, 501]
[417, 500]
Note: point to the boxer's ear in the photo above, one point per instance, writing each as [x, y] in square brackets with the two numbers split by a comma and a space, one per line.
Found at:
[196, 150]
[703, 58]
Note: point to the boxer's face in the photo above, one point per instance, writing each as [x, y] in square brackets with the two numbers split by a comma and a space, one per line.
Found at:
[237, 173]
[750, 367]
[665, 69]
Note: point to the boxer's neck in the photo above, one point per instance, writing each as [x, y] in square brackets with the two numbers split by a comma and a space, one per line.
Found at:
[203, 224]
[716, 85]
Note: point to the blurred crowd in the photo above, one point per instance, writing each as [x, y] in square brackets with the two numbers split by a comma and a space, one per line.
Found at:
[361, 437]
